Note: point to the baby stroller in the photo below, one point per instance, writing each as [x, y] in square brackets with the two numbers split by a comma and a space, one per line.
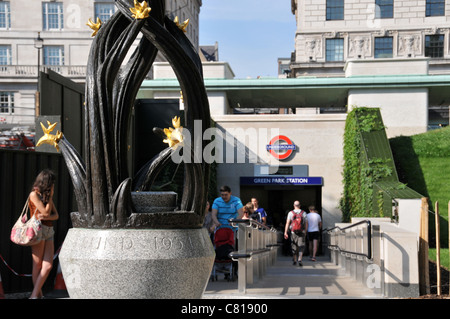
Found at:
[224, 244]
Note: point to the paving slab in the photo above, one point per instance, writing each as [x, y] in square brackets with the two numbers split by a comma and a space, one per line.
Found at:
[315, 280]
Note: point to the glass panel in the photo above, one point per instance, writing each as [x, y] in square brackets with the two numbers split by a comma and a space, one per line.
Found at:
[5, 55]
[53, 55]
[335, 9]
[434, 46]
[383, 47]
[104, 11]
[435, 8]
[5, 18]
[335, 50]
[384, 9]
[52, 15]
[6, 102]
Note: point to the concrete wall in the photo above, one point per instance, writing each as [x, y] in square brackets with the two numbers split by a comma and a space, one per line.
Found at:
[404, 111]
[398, 66]
[211, 70]
[394, 269]
[409, 212]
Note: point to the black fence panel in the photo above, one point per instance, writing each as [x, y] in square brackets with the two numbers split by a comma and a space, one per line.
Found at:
[64, 98]
[18, 170]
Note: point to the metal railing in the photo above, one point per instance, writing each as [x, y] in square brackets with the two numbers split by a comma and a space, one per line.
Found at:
[31, 71]
[26, 71]
[341, 241]
[257, 245]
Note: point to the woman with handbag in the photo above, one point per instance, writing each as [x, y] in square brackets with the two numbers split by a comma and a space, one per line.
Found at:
[41, 204]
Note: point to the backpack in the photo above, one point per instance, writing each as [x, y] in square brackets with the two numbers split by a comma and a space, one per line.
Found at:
[297, 222]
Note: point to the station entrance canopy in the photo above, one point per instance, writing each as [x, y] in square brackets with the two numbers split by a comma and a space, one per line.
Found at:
[308, 91]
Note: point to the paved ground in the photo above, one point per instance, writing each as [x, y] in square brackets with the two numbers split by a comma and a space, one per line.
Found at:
[319, 279]
[315, 280]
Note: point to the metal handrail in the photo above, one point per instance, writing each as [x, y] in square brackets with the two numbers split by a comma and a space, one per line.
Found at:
[369, 239]
[255, 224]
[250, 222]
[250, 254]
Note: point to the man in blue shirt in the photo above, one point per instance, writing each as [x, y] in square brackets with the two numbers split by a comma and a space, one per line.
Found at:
[226, 207]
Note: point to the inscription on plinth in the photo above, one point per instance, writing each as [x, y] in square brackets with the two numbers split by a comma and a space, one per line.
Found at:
[125, 243]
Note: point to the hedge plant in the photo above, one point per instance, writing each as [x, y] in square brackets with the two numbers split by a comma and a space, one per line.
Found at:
[361, 172]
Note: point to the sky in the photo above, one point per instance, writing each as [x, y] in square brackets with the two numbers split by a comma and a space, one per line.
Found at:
[252, 34]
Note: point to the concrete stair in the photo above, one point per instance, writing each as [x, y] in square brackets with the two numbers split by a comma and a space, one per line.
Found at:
[315, 280]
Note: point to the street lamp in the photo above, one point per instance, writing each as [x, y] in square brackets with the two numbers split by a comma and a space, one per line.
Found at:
[38, 44]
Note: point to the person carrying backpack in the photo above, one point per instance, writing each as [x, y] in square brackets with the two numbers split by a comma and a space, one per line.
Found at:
[296, 224]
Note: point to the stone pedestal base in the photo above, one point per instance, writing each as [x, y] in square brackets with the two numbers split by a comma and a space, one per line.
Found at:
[136, 263]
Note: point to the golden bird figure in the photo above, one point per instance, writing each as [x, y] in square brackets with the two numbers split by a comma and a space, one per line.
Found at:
[140, 10]
[174, 135]
[94, 26]
[183, 25]
[49, 138]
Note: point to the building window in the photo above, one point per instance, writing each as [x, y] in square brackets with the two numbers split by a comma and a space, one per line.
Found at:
[104, 11]
[334, 50]
[435, 8]
[434, 46]
[383, 47]
[5, 15]
[384, 9]
[335, 9]
[5, 55]
[53, 55]
[52, 16]
[7, 102]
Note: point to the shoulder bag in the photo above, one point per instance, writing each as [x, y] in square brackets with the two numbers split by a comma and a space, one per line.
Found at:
[26, 232]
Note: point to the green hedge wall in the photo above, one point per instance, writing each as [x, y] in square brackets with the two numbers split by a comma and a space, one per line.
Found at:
[363, 166]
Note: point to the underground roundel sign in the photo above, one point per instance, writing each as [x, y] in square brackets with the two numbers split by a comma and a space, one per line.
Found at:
[281, 147]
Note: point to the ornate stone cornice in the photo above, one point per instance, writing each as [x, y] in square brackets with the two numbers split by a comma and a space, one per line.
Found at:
[435, 30]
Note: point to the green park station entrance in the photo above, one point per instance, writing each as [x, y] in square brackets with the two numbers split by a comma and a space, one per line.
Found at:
[277, 194]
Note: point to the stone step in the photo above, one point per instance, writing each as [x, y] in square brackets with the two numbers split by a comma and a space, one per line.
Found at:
[309, 268]
[319, 279]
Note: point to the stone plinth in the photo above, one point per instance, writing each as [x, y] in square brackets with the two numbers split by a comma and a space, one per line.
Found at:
[154, 202]
[136, 263]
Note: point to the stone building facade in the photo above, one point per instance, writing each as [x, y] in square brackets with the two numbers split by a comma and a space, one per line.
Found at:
[330, 32]
[61, 25]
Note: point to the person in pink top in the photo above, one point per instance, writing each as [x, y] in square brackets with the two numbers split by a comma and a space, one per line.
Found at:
[41, 204]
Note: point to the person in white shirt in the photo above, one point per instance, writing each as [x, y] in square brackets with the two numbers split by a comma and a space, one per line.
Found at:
[314, 226]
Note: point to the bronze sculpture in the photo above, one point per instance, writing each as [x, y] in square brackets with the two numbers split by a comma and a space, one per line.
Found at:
[102, 185]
